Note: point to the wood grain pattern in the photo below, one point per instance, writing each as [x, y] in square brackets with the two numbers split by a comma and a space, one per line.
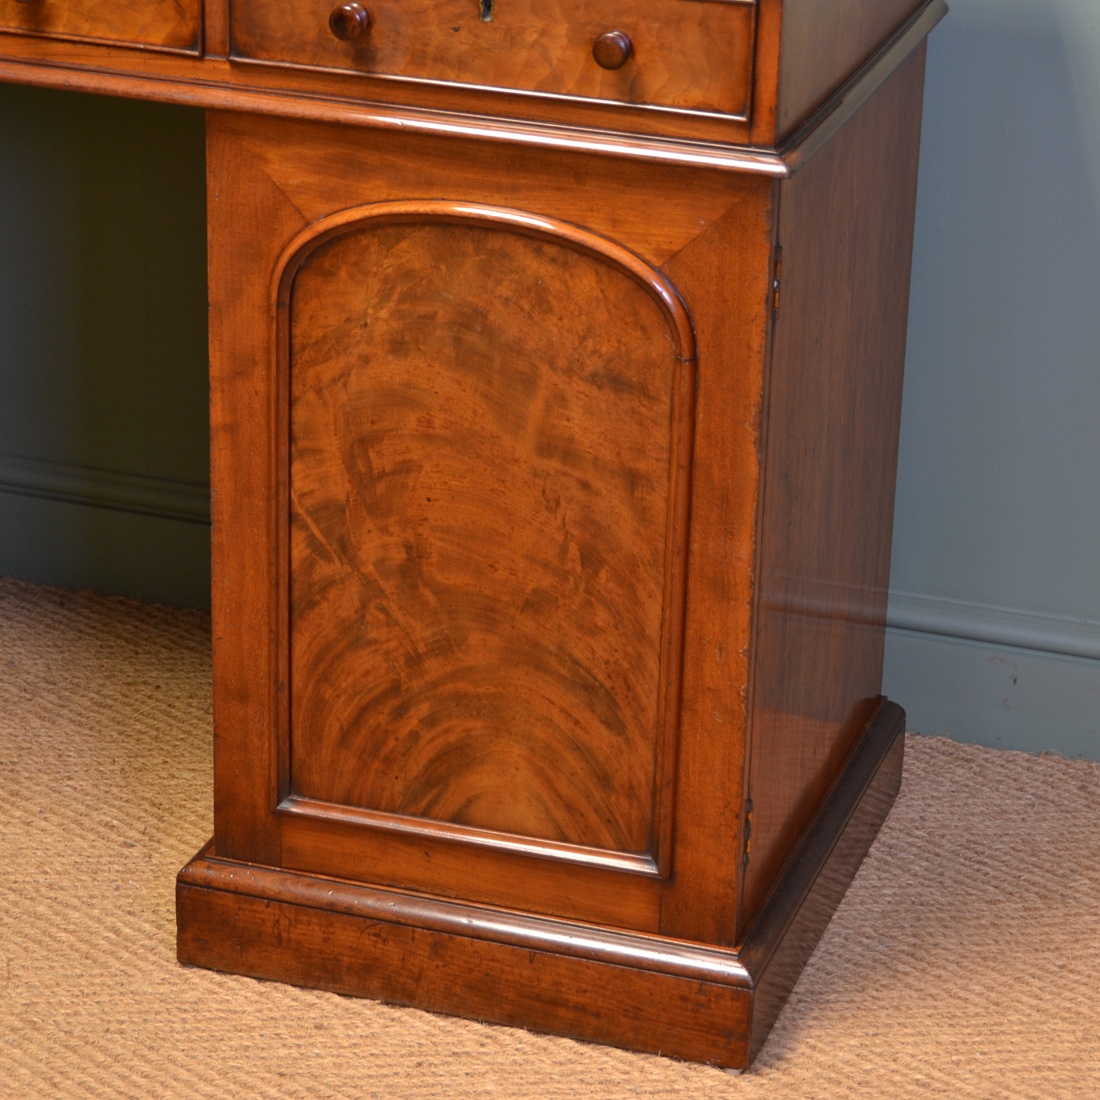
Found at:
[658, 954]
[246, 211]
[490, 713]
[723, 274]
[334, 168]
[465, 975]
[279, 175]
[688, 54]
[761, 121]
[484, 428]
[652, 993]
[595, 892]
[423, 828]
[820, 867]
[215, 32]
[365, 100]
[152, 24]
[214, 84]
[803, 692]
[431, 106]
[834, 403]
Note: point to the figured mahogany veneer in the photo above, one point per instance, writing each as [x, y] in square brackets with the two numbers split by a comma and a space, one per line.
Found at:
[687, 54]
[556, 362]
[149, 24]
[733, 91]
[453, 418]
[278, 175]
[646, 993]
[549, 483]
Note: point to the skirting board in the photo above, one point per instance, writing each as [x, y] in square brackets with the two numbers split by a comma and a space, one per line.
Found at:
[998, 626]
[116, 553]
[639, 991]
[1003, 696]
[139, 493]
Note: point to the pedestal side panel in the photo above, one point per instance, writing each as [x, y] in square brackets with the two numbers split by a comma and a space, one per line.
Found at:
[834, 405]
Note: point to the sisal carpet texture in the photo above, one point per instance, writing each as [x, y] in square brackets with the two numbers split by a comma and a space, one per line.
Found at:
[963, 962]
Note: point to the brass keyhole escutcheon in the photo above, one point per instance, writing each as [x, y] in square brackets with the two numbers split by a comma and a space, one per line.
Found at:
[612, 50]
[349, 21]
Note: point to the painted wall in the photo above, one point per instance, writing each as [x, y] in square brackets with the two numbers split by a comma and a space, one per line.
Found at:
[995, 601]
[995, 588]
[104, 436]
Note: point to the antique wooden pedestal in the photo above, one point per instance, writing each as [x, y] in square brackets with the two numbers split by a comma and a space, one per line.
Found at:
[556, 360]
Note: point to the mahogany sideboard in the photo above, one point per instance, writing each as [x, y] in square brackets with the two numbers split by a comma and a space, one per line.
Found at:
[556, 356]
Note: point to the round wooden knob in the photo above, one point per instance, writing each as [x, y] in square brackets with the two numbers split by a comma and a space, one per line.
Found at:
[349, 21]
[613, 49]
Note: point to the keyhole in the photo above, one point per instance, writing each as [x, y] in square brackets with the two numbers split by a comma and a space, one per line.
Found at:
[486, 11]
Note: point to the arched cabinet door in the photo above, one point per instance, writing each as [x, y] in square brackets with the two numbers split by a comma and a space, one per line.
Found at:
[486, 459]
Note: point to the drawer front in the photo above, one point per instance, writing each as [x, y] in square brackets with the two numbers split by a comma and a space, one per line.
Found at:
[686, 54]
[155, 24]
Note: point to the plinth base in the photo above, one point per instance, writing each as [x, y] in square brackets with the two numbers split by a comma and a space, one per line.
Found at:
[639, 991]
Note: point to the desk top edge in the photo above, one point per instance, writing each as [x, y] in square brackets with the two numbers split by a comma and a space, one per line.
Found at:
[220, 92]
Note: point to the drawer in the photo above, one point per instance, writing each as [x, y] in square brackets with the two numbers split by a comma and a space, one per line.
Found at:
[149, 24]
[684, 54]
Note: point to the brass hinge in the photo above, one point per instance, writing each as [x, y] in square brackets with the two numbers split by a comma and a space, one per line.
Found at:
[776, 279]
[748, 831]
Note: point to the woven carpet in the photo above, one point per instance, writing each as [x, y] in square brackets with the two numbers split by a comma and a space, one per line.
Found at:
[963, 962]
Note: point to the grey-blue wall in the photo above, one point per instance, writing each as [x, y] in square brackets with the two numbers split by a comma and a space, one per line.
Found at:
[995, 593]
[104, 437]
[995, 588]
